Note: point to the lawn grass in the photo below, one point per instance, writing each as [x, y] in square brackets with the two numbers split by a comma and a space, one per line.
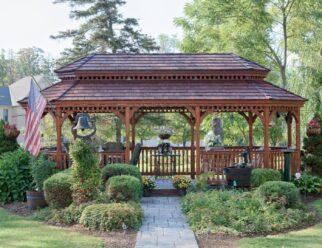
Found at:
[307, 238]
[18, 232]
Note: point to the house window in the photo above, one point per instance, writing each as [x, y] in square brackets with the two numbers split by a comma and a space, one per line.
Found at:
[6, 115]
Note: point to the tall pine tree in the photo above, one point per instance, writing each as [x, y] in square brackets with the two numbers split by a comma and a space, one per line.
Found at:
[104, 30]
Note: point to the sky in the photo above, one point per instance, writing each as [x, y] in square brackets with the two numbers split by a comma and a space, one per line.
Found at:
[29, 23]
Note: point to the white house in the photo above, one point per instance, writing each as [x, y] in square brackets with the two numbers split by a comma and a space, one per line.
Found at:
[10, 110]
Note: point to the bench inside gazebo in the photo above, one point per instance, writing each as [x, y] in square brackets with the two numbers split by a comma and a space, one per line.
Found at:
[193, 85]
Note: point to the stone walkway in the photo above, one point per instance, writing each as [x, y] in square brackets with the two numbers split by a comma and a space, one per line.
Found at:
[164, 225]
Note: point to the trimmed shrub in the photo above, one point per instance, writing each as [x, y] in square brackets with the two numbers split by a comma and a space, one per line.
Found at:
[41, 169]
[118, 170]
[260, 176]
[281, 194]
[15, 176]
[113, 216]
[43, 214]
[124, 188]
[70, 215]
[58, 189]
[86, 174]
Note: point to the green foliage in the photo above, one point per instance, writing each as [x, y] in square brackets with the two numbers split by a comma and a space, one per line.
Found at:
[58, 189]
[237, 212]
[111, 170]
[70, 215]
[279, 194]
[148, 183]
[124, 188]
[260, 176]
[104, 30]
[181, 182]
[43, 214]
[308, 183]
[102, 197]
[41, 169]
[15, 176]
[86, 173]
[6, 144]
[113, 216]
[313, 152]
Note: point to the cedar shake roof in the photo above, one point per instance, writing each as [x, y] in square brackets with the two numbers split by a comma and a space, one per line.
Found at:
[168, 90]
[174, 61]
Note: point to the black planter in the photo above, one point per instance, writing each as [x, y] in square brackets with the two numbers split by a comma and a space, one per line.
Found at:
[238, 177]
[147, 192]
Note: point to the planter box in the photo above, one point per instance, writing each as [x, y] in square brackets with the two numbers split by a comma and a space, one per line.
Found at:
[241, 176]
[36, 199]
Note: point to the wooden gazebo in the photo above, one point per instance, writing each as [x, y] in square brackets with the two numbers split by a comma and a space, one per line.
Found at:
[194, 85]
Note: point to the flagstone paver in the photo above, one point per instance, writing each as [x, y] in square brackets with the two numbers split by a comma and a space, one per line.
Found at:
[164, 225]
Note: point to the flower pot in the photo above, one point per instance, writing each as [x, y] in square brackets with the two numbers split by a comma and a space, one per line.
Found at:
[182, 192]
[311, 131]
[36, 199]
[147, 192]
[164, 136]
[238, 177]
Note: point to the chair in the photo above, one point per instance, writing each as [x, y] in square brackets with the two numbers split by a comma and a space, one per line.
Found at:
[136, 154]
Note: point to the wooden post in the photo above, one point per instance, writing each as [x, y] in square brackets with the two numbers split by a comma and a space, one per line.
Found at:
[266, 138]
[297, 162]
[59, 123]
[133, 133]
[289, 130]
[250, 131]
[192, 146]
[197, 113]
[127, 133]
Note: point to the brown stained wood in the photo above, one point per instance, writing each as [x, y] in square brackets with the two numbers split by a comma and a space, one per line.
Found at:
[197, 126]
[127, 134]
[266, 138]
[59, 123]
[297, 162]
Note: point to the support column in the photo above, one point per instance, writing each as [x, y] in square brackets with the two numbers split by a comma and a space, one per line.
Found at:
[297, 162]
[250, 132]
[59, 123]
[289, 130]
[133, 133]
[127, 133]
[198, 162]
[192, 146]
[266, 138]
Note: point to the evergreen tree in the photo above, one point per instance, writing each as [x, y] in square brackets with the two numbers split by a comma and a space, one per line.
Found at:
[104, 30]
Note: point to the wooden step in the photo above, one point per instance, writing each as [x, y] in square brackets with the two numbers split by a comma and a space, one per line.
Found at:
[165, 192]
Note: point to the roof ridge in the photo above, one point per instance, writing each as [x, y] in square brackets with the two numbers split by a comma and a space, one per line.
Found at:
[250, 61]
[259, 89]
[66, 91]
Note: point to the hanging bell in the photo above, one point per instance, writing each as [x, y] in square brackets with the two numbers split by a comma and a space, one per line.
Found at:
[83, 122]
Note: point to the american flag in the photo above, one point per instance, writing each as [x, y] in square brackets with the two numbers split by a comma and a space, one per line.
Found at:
[35, 109]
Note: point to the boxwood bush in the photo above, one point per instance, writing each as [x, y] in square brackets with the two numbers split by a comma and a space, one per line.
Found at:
[112, 216]
[70, 215]
[118, 170]
[260, 176]
[239, 213]
[124, 188]
[58, 189]
[280, 194]
[15, 176]
[86, 174]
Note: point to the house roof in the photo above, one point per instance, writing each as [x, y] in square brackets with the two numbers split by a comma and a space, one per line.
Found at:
[168, 90]
[5, 99]
[159, 62]
[20, 89]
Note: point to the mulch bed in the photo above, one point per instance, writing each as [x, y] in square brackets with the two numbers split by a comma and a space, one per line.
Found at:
[18, 208]
[308, 198]
[216, 241]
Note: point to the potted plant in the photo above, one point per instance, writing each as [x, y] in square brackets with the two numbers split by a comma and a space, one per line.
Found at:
[148, 186]
[41, 169]
[212, 140]
[313, 127]
[181, 183]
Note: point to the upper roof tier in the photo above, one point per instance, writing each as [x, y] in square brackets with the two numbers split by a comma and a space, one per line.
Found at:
[174, 62]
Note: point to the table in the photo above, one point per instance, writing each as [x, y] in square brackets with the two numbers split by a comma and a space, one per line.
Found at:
[166, 159]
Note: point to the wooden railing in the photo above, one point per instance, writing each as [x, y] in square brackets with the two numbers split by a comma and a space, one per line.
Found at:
[104, 158]
[180, 162]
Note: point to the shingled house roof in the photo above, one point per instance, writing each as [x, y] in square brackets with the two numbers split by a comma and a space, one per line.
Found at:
[87, 81]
